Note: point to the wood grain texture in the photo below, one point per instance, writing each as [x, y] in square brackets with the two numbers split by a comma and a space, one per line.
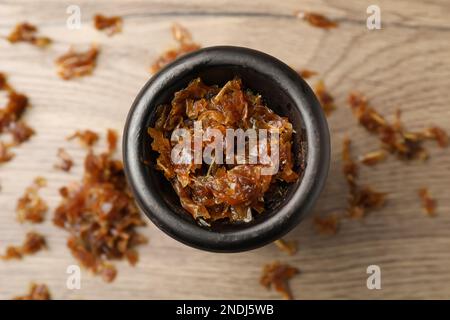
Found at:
[405, 65]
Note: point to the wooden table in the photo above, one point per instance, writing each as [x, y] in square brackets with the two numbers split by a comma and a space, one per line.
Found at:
[404, 65]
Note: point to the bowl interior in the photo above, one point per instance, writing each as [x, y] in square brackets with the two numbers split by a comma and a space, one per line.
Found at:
[275, 97]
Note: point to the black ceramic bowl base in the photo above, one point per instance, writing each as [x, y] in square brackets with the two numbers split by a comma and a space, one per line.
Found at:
[284, 92]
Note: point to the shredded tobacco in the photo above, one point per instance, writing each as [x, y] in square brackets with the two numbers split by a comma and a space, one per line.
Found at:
[365, 199]
[87, 137]
[325, 99]
[65, 161]
[428, 203]
[361, 199]
[111, 138]
[290, 247]
[76, 64]
[5, 153]
[26, 32]
[37, 292]
[185, 45]
[3, 83]
[20, 132]
[306, 73]
[328, 225]
[438, 134]
[111, 25]
[40, 181]
[276, 275]
[210, 192]
[31, 207]
[13, 111]
[33, 243]
[101, 216]
[373, 158]
[316, 19]
[11, 122]
[394, 138]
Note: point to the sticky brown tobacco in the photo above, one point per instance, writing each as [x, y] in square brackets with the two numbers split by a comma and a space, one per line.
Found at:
[327, 225]
[11, 122]
[373, 158]
[393, 136]
[111, 139]
[185, 44]
[26, 32]
[20, 132]
[428, 203]
[86, 137]
[65, 161]
[77, 64]
[37, 292]
[101, 216]
[3, 82]
[31, 207]
[5, 153]
[325, 98]
[13, 111]
[316, 19]
[438, 134]
[290, 247]
[33, 243]
[111, 25]
[362, 198]
[210, 192]
[306, 73]
[276, 275]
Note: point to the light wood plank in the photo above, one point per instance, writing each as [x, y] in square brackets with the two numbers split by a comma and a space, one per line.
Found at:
[406, 65]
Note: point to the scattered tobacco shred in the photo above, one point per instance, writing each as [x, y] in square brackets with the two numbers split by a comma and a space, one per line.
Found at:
[76, 64]
[438, 134]
[361, 199]
[37, 292]
[328, 225]
[87, 137]
[5, 154]
[33, 243]
[350, 168]
[3, 83]
[394, 138]
[108, 272]
[185, 45]
[428, 203]
[373, 158]
[306, 73]
[65, 161]
[316, 19]
[101, 216]
[111, 138]
[13, 111]
[20, 132]
[26, 32]
[276, 275]
[325, 99]
[11, 121]
[220, 191]
[290, 247]
[40, 181]
[12, 252]
[365, 199]
[111, 25]
[31, 207]
[368, 117]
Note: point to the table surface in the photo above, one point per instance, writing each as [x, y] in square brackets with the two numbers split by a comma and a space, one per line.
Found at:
[404, 65]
